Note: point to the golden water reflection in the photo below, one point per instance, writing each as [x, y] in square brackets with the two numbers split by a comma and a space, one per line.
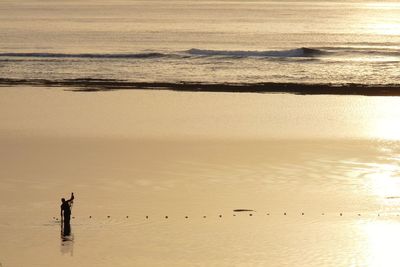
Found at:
[385, 18]
[382, 243]
[384, 181]
[384, 118]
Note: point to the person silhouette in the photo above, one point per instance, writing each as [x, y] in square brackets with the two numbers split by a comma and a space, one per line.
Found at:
[66, 215]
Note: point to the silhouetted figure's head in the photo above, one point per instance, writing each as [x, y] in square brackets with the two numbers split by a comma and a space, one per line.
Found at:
[63, 200]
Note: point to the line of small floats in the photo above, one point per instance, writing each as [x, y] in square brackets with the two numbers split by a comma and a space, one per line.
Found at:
[249, 213]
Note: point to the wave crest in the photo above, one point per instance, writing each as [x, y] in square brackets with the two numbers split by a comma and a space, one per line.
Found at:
[302, 52]
[194, 52]
[298, 52]
[87, 55]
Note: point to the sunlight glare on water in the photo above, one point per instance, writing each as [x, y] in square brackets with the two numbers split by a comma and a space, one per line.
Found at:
[380, 18]
[382, 243]
[383, 180]
[384, 119]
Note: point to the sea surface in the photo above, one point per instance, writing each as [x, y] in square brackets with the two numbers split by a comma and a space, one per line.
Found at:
[337, 42]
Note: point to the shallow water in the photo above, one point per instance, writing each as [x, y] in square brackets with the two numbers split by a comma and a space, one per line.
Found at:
[239, 241]
[162, 114]
[157, 154]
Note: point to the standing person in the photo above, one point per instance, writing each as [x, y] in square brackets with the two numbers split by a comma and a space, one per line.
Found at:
[66, 215]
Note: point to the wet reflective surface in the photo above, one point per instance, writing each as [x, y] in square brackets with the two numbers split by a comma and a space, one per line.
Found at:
[320, 173]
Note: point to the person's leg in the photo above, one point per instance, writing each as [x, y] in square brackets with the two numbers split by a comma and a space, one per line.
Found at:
[67, 225]
[67, 229]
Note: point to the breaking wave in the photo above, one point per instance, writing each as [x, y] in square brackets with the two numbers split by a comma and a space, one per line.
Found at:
[302, 52]
[62, 55]
[298, 52]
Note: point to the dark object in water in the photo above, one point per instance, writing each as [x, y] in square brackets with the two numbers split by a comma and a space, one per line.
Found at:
[242, 210]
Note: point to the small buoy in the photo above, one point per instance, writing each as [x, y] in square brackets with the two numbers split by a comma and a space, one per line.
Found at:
[147, 217]
[56, 219]
[284, 213]
[73, 217]
[186, 217]
[359, 214]
[268, 214]
[379, 214]
[108, 216]
[250, 214]
[234, 215]
[220, 216]
[90, 216]
[323, 214]
[204, 217]
[127, 216]
[302, 213]
[341, 214]
[166, 217]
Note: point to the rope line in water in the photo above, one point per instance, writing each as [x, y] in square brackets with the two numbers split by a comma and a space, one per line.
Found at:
[341, 214]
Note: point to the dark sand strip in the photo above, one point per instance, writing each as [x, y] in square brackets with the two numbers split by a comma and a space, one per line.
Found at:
[95, 85]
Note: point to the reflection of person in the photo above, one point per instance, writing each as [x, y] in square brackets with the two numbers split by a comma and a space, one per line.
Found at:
[66, 247]
[66, 214]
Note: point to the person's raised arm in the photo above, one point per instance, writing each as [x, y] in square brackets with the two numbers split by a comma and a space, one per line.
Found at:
[72, 197]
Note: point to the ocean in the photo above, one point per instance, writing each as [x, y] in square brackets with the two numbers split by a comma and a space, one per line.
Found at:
[219, 42]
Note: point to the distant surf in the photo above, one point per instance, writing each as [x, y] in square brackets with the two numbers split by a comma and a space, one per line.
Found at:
[84, 55]
[298, 52]
[302, 52]
[336, 65]
[194, 52]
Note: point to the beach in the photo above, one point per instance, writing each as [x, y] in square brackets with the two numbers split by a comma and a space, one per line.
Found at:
[322, 192]
[199, 133]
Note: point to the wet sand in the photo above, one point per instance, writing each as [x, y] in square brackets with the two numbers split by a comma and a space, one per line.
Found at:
[95, 85]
